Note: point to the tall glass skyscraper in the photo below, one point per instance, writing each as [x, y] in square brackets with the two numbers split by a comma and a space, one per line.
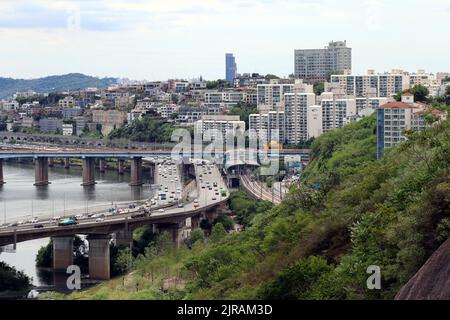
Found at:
[230, 67]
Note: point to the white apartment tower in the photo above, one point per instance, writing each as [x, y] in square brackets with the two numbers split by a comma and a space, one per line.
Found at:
[296, 110]
[314, 65]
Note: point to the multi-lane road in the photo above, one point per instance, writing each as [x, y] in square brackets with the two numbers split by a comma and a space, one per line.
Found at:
[211, 190]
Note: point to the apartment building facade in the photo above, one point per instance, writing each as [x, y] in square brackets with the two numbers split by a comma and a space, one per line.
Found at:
[394, 118]
[296, 111]
[314, 65]
[223, 124]
[270, 97]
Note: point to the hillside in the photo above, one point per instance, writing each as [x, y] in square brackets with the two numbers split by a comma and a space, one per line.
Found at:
[9, 86]
[350, 211]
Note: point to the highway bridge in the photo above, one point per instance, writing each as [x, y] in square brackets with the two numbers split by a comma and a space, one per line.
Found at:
[43, 156]
[204, 201]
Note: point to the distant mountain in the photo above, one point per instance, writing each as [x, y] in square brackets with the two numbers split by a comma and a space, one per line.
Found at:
[71, 81]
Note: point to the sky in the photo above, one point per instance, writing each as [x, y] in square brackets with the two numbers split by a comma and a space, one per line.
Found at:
[161, 39]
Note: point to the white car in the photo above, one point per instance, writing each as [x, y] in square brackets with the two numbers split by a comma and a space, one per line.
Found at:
[99, 219]
[161, 210]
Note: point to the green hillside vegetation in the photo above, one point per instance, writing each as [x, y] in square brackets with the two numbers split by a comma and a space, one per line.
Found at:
[9, 86]
[146, 129]
[350, 211]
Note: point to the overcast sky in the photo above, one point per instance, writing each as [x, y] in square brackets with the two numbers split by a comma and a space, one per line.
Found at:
[160, 39]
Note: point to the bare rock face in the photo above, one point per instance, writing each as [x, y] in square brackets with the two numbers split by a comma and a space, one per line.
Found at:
[432, 281]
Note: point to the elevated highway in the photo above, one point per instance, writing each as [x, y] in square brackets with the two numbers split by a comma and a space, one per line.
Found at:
[172, 218]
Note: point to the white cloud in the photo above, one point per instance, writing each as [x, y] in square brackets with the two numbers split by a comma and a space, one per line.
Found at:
[178, 38]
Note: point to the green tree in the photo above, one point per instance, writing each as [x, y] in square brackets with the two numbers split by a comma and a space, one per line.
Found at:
[319, 88]
[197, 235]
[11, 279]
[218, 233]
[271, 76]
[419, 91]
[243, 110]
[226, 221]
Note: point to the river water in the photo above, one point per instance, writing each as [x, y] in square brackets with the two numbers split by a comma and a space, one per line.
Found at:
[19, 199]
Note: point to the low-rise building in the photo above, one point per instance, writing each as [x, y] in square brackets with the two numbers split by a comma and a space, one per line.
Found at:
[50, 125]
[67, 129]
[109, 119]
[67, 102]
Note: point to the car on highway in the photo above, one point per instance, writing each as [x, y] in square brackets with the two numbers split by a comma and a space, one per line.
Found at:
[196, 203]
[180, 205]
[99, 219]
[161, 210]
[14, 224]
[79, 216]
[67, 222]
[138, 215]
[34, 220]
[214, 198]
[38, 226]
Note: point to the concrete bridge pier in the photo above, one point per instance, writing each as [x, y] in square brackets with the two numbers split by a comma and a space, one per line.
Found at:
[67, 163]
[41, 171]
[99, 264]
[62, 253]
[123, 238]
[152, 173]
[176, 230]
[88, 171]
[2, 181]
[120, 166]
[195, 222]
[136, 171]
[101, 165]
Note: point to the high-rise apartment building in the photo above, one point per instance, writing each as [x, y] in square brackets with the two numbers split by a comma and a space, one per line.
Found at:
[296, 111]
[382, 84]
[335, 112]
[393, 118]
[230, 67]
[371, 85]
[268, 126]
[313, 65]
[270, 96]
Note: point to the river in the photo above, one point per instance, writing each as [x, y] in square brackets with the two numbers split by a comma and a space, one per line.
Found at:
[19, 199]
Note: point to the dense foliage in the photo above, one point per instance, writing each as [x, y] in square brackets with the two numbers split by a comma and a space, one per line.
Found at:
[11, 279]
[243, 110]
[144, 130]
